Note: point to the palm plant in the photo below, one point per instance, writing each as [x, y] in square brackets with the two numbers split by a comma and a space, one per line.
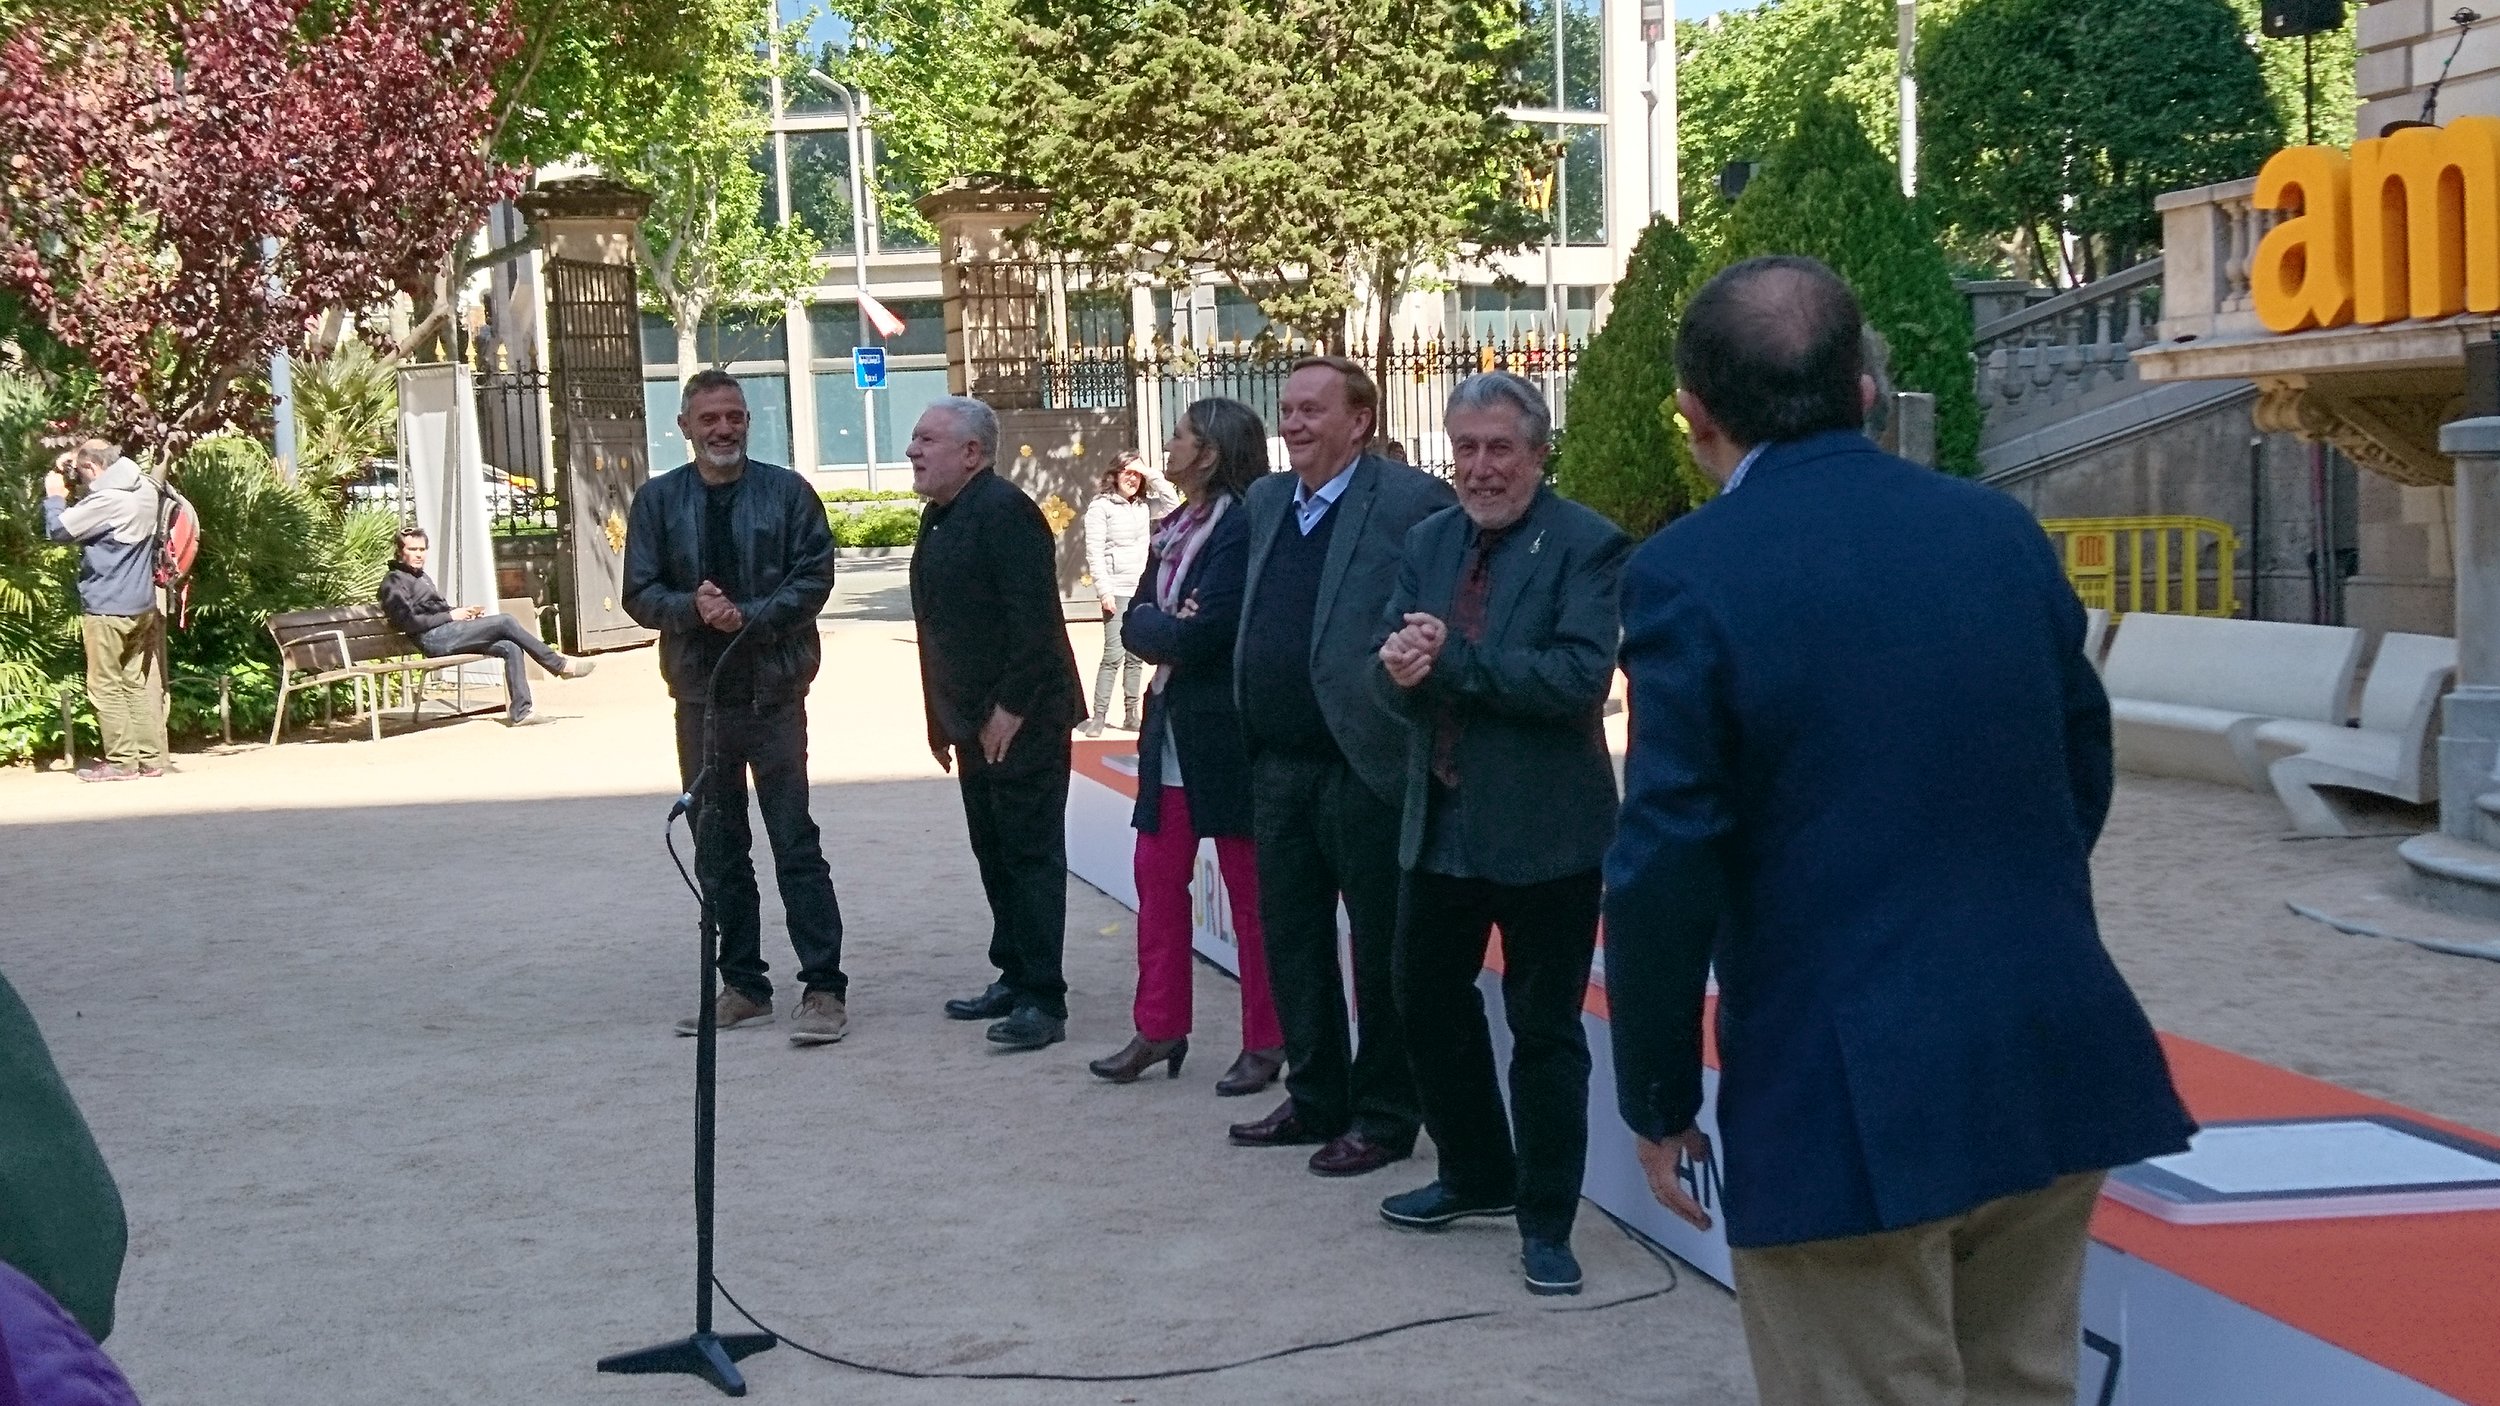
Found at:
[346, 413]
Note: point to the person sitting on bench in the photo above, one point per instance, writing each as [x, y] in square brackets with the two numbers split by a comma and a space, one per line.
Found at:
[439, 628]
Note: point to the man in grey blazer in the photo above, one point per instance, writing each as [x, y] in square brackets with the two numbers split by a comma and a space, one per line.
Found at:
[1326, 764]
[1498, 649]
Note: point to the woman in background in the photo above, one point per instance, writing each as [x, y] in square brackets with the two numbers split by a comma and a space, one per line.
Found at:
[1117, 524]
[1193, 772]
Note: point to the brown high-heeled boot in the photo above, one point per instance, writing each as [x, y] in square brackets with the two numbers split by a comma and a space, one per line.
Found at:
[1141, 1055]
[1253, 1071]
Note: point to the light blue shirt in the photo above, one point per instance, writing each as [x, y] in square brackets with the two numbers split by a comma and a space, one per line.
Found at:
[1741, 466]
[1310, 507]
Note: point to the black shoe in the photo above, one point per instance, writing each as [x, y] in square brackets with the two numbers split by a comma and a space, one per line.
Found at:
[1434, 1206]
[1548, 1266]
[1029, 1029]
[991, 1004]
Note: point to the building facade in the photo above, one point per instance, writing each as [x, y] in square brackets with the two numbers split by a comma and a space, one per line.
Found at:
[1592, 89]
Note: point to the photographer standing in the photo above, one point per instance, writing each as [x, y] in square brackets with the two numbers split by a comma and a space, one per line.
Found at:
[114, 524]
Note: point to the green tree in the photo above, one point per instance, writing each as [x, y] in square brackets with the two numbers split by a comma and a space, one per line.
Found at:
[1308, 152]
[1620, 454]
[931, 70]
[712, 238]
[1827, 192]
[2331, 60]
[2058, 122]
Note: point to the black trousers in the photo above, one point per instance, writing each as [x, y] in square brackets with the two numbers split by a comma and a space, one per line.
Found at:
[1322, 836]
[768, 739]
[1549, 932]
[1017, 812]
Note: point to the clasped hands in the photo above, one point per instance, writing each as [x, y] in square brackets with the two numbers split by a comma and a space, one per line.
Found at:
[1410, 654]
[716, 609]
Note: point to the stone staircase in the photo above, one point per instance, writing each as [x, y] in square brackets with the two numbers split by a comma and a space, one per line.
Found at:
[2056, 375]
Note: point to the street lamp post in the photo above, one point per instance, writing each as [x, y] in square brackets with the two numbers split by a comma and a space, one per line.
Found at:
[1906, 39]
[859, 256]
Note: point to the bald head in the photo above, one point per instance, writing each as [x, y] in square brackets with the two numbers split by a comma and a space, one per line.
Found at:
[1771, 348]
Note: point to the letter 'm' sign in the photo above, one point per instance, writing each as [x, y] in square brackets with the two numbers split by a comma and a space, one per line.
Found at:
[2407, 226]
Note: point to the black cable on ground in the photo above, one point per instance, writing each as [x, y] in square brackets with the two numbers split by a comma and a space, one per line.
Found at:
[1674, 1280]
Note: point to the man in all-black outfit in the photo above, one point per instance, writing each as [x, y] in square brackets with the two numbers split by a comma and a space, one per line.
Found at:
[730, 560]
[1328, 763]
[999, 683]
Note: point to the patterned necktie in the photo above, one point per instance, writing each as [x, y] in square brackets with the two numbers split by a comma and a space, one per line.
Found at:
[1475, 588]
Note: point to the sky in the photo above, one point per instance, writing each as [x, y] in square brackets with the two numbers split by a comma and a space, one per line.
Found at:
[1698, 9]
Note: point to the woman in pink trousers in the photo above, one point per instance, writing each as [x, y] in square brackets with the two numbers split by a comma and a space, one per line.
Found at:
[1193, 774]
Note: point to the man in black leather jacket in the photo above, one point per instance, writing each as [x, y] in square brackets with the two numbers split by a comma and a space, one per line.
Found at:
[730, 560]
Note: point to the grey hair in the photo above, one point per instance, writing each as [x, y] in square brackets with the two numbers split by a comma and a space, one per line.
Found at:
[98, 453]
[975, 419]
[1488, 390]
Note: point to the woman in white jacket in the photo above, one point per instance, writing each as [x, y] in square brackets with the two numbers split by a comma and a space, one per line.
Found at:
[1118, 526]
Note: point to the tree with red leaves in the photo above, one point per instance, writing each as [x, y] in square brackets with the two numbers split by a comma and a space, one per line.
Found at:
[175, 207]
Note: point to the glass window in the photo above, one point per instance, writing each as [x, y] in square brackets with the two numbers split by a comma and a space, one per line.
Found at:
[1536, 61]
[768, 421]
[1237, 316]
[820, 186]
[1580, 310]
[1583, 36]
[1583, 185]
[834, 327]
[659, 340]
[838, 421]
[659, 411]
[1489, 313]
[767, 205]
[907, 393]
[741, 334]
[819, 37]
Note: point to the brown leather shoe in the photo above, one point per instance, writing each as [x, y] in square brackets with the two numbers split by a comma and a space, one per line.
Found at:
[1253, 1071]
[1353, 1155]
[1278, 1129]
[1140, 1055]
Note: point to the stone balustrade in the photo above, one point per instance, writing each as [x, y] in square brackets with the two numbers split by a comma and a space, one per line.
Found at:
[2068, 354]
[2209, 240]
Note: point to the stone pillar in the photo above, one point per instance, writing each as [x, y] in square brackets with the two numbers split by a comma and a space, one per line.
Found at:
[2457, 868]
[586, 219]
[995, 326]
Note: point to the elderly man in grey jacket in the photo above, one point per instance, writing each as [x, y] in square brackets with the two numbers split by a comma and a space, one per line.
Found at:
[1498, 649]
[114, 523]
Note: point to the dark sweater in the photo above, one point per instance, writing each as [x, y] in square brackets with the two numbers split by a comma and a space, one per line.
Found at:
[1281, 708]
[409, 598]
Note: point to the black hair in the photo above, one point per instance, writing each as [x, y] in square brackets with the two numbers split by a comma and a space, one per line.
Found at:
[1771, 348]
[410, 533]
[1240, 442]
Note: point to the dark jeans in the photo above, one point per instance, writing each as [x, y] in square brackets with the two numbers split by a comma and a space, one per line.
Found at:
[1549, 932]
[770, 740]
[498, 635]
[1323, 835]
[1017, 813]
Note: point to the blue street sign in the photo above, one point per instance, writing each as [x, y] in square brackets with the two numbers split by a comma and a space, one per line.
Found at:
[868, 368]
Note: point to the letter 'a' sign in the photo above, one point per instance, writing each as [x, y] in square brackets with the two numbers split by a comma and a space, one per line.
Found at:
[868, 368]
[2407, 226]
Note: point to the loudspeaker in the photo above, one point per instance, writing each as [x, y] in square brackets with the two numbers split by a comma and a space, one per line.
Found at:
[2290, 19]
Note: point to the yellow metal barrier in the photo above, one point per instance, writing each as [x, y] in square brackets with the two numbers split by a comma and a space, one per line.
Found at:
[2167, 565]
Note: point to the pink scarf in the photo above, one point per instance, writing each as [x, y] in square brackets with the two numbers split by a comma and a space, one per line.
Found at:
[1177, 541]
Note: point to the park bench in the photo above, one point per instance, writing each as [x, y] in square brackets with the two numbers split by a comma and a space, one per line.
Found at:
[2188, 693]
[2389, 754]
[357, 643]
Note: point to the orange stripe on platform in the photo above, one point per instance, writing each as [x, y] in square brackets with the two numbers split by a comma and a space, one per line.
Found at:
[2418, 1295]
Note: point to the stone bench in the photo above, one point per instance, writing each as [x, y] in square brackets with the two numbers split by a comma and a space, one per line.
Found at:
[2389, 754]
[2188, 694]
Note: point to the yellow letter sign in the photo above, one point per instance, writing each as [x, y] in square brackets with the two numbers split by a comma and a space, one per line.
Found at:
[2408, 227]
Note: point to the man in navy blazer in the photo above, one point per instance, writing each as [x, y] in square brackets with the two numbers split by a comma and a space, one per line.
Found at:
[1868, 764]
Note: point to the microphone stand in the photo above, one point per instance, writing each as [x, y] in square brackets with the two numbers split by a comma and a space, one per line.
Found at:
[706, 1354]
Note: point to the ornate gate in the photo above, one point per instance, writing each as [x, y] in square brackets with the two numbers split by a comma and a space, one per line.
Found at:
[593, 330]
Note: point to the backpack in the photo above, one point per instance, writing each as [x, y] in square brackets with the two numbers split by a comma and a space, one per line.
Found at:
[177, 547]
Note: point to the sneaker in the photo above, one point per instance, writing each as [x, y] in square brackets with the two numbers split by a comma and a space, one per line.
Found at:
[1131, 722]
[1092, 727]
[1548, 1266]
[101, 771]
[520, 715]
[576, 667]
[731, 1010]
[146, 772]
[820, 1019]
[1434, 1206]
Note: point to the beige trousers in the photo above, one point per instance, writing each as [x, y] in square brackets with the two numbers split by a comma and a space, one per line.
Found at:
[1983, 1309]
[126, 682]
